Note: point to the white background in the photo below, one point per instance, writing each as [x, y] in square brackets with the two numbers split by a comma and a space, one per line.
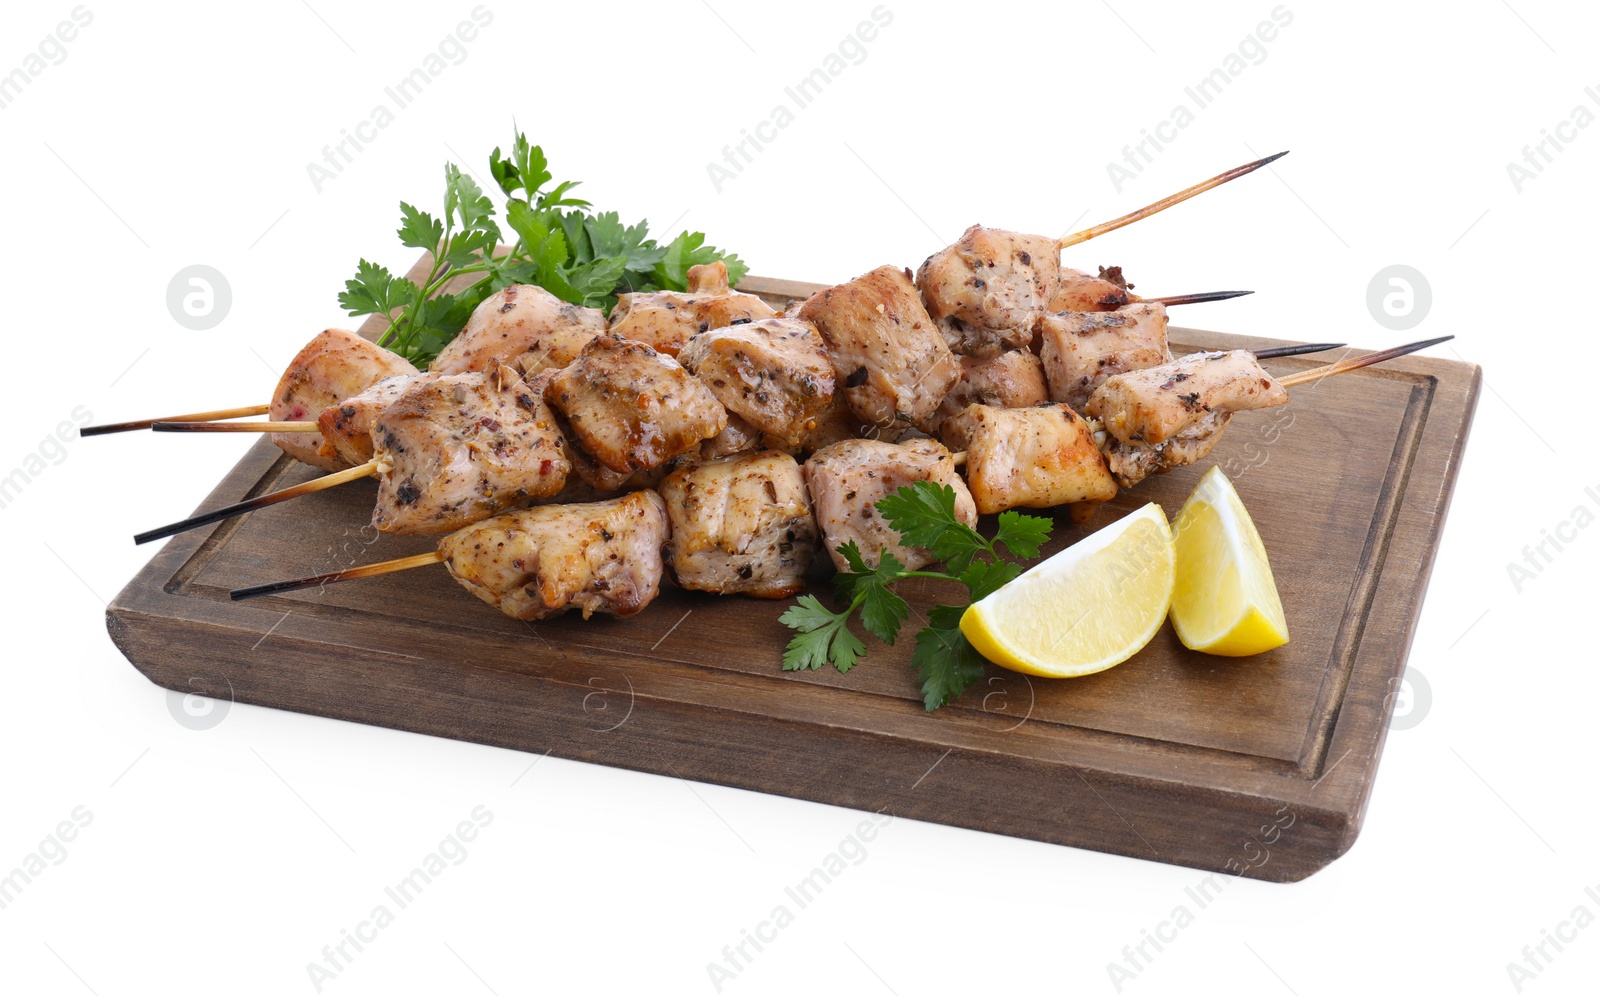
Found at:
[224, 860]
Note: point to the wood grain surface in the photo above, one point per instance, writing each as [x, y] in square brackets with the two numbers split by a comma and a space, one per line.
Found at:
[1257, 766]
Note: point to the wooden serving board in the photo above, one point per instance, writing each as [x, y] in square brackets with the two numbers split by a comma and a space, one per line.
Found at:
[1258, 766]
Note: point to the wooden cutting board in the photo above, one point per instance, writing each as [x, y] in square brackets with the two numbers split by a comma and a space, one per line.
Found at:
[1258, 766]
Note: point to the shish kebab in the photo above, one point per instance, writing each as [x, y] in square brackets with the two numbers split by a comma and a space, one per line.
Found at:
[743, 524]
[334, 363]
[449, 449]
[749, 523]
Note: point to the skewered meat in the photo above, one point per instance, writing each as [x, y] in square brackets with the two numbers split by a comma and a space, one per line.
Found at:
[836, 423]
[738, 436]
[1081, 349]
[632, 408]
[347, 426]
[847, 479]
[992, 284]
[1155, 404]
[665, 320]
[605, 481]
[1030, 457]
[1010, 380]
[513, 321]
[891, 362]
[740, 525]
[333, 366]
[534, 563]
[458, 448]
[555, 349]
[774, 373]
[1131, 463]
[1080, 291]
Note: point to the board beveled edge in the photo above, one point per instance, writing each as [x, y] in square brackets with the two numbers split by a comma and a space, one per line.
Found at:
[1086, 804]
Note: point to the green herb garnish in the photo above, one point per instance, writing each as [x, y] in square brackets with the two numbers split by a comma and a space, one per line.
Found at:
[924, 514]
[580, 257]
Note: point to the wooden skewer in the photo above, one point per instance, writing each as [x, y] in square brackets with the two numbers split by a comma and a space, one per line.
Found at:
[233, 427]
[1166, 202]
[1310, 347]
[1357, 362]
[223, 413]
[334, 577]
[436, 556]
[1195, 298]
[251, 504]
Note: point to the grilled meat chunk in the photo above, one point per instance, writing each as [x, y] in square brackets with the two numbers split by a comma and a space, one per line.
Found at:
[1010, 380]
[665, 320]
[632, 408]
[1157, 403]
[774, 373]
[992, 284]
[1081, 349]
[1131, 463]
[836, 423]
[890, 360]
[332, 367]
[534, 563]
[1079, 291]
[740, 525]
[516, 320]
[458, 448]
[847, 479]
[347, 426]
[1031, 458]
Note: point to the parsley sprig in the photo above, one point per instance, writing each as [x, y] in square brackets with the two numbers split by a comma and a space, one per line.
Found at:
[561, 245]
[924, 514]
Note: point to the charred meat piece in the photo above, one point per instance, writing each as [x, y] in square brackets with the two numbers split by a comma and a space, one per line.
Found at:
[993, 283]
[665, 320]
[458, 448]
[347, 426]
[1031, 458]
[836, 423]
[515, 320]
[632, 408]
[847, 479]
[892, 365]
[1079, 291]
[1157, 403]
[332, 367]
[1082, 349]
[740, 525]
[1131, 463]
[1010, 380]
[774, 373]
[534, 563]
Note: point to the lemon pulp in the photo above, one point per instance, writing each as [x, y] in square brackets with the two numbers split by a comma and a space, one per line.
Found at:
[1224, 600]
[1088, 608]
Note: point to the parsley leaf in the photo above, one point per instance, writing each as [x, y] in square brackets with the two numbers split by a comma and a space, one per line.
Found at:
[375, 291]
[581, 257]
[824, 637]
[947, 663]
[924, 515]
[419, 229]
[1022, 534]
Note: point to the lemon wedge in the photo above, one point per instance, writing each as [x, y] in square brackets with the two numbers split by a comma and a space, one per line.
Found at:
[1225, 601]
[1089, 607]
